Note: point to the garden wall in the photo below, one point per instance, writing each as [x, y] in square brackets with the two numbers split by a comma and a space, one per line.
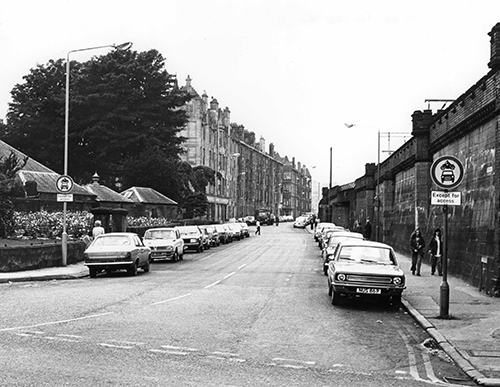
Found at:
[39, 256]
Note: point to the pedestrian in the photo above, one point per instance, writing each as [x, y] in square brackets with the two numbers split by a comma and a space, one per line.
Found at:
[257, 230]
[313, 222]
[277, 221]
[367, 232]
[436, 252]
[98, 229]
[417, 245]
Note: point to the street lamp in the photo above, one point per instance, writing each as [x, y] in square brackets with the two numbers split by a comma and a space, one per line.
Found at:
[123, 46]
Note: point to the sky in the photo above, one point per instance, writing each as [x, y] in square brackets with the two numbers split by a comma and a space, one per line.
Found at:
[292, 71]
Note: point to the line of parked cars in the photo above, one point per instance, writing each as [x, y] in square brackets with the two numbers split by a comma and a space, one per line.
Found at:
[356, 267]
[127, 251]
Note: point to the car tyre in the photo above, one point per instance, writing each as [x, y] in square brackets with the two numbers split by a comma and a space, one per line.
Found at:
[132, 270]
[325, 269]
[396, 301]
[335, 297]
[146, 266]
[176, 256]
[92, 272]
[330, 289]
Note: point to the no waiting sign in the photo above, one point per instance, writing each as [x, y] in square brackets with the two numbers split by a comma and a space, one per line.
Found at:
[447, 172]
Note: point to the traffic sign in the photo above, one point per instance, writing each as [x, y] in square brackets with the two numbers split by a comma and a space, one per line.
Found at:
[64, 197]
[446, 198]
[64, 184]
[447, 172]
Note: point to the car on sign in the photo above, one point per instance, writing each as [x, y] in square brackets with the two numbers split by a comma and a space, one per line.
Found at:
[117, 251]
[165, 243]
[365, 268]
[192, 237]
[331, 245]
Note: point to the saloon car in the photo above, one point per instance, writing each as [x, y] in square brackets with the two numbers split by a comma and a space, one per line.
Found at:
[117, 251]
[165, 243]
[300, 222]
[331, 245]
[365, 268]
[319, 229]
[225, 235]
[193, 238]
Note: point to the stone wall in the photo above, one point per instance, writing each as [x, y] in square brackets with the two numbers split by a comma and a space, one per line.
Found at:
[19, 258]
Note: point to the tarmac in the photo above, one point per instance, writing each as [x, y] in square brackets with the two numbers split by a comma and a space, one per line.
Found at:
[469, 333]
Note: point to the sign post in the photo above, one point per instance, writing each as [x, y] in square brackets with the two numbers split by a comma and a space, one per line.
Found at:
[447, 172]
[64, 184]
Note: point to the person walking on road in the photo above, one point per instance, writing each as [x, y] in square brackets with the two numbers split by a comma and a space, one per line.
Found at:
[436, 252]
[417, 245]
[257, 231]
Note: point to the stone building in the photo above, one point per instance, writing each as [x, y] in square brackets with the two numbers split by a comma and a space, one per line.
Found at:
[248, 176]
[468, 129]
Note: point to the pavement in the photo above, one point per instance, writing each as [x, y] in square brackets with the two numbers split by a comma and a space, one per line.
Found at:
[469, 335]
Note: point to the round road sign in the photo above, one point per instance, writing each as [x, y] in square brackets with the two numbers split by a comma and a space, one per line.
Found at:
[64, 184]
[447, 172]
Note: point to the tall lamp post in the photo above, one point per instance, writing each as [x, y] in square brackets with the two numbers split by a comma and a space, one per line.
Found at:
[123, 46]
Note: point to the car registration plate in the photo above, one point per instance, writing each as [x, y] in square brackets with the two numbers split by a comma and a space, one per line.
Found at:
[368, 291]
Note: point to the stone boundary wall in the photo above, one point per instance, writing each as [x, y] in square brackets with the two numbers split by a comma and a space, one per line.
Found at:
[20, 258]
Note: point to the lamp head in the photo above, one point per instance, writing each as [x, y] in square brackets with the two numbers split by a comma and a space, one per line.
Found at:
[123, 46]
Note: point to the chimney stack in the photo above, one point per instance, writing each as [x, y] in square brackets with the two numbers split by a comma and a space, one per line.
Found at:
[494, 63]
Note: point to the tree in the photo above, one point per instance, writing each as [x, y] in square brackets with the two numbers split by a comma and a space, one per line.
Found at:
[120, 104]
[195, 205]
[10, 186]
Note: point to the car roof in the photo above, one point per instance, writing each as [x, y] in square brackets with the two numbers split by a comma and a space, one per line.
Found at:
[161, 229]
[128, 234]
[347, 234]
[363, 242]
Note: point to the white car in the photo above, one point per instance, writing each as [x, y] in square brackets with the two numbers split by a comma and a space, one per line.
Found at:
[300, 222]
[117, 251]
[165, 243]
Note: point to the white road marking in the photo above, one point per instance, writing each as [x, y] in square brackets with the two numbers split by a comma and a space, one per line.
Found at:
[242, 266]
[115, 346]
[229, 275]
[215, 283]
[225, 353]
[412, 360]
[168, 352]
[295, 360]
[55, 322]
[171, 347]
[171, 299]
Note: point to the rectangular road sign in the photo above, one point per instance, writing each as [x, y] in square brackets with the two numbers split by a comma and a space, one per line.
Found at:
[64, 197]
[441, 198]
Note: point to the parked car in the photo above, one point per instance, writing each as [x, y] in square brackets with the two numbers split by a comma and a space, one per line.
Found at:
[331, 245]
[300, 222]
[193, 238]
[165, 243]
[250, 220]
[365, 268]
[235, 229]
[117, 251]
[326, 234]
[319, 229]
[245, 230]
[224, 233]
[213, 235]
[205, 237]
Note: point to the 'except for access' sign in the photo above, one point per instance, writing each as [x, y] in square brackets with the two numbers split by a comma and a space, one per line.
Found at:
[446, 198]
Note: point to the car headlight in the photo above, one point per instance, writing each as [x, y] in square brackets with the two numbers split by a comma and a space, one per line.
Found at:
[397, 280]
[193, 240]
[341, 277]
[170, 248]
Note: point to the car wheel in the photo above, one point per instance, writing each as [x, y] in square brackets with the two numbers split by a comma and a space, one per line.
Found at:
[132, 270]
[146, 266]
[325, 269]
[330, 287]
[335, 297]
[181, 256]
[199, 249]
[92, 272]
[176, 256]
[396, 301]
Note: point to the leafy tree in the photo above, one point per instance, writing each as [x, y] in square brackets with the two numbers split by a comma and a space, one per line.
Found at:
[120, 104]
[10, 186]
[195, 205]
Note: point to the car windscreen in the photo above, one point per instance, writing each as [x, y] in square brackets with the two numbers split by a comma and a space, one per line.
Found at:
[112, 241]
[367, 254]
[189, 230]
[159, 234]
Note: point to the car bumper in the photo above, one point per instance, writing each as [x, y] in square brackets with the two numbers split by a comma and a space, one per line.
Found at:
[355, 290]
[162, 254]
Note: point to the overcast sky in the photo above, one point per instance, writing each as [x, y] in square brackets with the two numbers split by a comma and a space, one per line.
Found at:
[292, 71]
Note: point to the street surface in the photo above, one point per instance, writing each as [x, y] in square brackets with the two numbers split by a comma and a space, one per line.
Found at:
[254, 312]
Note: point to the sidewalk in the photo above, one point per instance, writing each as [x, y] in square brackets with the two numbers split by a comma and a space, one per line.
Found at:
[78, 270]
[471, 334]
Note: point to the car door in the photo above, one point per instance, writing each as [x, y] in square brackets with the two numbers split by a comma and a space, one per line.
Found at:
[143, 250]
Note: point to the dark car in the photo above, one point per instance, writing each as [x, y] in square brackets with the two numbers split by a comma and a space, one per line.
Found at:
[193, 238]
[224, 233]
[362, 268]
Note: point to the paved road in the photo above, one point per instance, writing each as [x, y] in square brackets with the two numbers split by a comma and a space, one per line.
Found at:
[252, 313]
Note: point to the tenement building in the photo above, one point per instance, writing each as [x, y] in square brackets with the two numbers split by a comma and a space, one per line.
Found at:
[467, 130]
[248, 175]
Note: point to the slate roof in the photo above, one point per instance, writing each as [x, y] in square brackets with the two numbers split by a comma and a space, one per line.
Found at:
[31, 165]
[147, 196]
[46, 182]
[105, 194]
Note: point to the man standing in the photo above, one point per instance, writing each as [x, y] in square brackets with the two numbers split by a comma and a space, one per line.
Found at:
[98, 229]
